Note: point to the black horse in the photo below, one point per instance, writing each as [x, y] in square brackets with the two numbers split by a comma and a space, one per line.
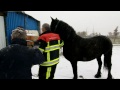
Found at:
[77, 48]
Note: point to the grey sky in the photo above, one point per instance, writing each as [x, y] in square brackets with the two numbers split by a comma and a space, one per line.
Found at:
[99, 21]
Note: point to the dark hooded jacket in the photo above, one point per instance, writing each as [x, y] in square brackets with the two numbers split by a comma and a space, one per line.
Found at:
[17, 59]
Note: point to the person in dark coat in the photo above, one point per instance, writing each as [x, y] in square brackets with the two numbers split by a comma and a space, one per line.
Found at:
[16, 60]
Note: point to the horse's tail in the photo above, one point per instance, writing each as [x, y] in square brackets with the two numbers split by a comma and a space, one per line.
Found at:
[107, 60]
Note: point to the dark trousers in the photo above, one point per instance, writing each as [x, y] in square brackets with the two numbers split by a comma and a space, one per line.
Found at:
[47, 72]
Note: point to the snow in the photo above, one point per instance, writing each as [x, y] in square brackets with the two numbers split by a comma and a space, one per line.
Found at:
[87, 70]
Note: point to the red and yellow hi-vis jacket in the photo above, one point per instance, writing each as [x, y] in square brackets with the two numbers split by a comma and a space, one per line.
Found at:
[50, 44]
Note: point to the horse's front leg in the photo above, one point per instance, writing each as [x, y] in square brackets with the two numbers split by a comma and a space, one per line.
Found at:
[74, 66]
[99, 68]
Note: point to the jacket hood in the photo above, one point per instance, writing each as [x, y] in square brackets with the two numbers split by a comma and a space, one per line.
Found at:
[19, 41]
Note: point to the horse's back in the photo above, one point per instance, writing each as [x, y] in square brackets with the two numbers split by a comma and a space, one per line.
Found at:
[93, 47]
[103, 42]
[100, 39]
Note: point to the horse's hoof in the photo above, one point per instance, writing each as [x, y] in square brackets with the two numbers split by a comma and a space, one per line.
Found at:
[97, 75]
[110, 77]
[74, 77]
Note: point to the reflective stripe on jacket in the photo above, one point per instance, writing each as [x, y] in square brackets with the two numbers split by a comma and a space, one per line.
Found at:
[52, 48]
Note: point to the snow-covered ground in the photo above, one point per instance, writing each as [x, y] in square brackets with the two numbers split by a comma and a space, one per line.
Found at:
[88, 69]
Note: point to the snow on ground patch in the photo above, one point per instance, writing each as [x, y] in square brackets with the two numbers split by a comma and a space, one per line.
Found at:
[88, 69]
[116, 62]
[63, 70]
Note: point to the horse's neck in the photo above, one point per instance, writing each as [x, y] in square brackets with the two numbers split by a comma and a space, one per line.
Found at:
[72, 40]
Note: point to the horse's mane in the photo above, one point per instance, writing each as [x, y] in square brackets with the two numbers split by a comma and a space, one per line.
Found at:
[67, 30]
[68, 27]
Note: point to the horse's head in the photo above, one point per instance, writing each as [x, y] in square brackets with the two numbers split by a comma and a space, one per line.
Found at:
[61, 28]
[54, 24]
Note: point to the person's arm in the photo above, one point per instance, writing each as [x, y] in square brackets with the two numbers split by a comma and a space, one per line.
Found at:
[40, 44]
[61, 43]
[36, 45]
[38, 59]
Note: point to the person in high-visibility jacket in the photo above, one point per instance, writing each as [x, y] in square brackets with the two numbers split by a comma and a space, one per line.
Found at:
[50, 44]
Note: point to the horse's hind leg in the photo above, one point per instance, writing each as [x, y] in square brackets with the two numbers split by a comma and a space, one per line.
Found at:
[108, 64]
[99, 68]
[74, 66]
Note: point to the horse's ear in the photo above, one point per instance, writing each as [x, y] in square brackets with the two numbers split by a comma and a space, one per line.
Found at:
[52, 18]
[56, 19]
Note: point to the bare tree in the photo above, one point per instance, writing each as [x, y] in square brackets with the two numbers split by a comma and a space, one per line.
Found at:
[110, 34]
[78, 33]
[115, 33]
[82, 34]
[99, 34]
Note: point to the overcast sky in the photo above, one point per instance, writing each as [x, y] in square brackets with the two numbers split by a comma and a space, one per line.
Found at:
[97, 21]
